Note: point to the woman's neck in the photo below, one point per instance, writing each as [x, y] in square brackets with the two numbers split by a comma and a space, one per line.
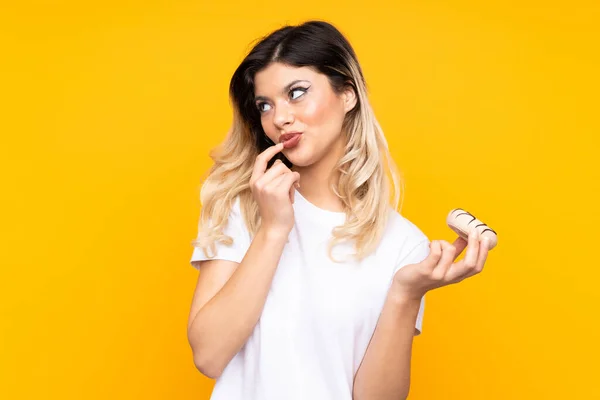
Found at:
[316, 181]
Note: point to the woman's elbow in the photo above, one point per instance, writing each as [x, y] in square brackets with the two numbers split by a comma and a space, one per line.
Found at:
[203, 360]
[207, 368]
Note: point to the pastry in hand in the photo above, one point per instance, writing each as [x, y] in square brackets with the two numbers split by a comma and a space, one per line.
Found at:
[463, 222]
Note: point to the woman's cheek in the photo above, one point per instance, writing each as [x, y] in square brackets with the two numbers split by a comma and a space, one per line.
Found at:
[312, 113]
[269, 130]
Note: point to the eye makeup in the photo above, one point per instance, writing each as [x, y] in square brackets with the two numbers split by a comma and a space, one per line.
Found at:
[260, 101]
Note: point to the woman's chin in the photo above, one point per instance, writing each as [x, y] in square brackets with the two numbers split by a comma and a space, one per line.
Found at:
[298, 155]
[298, 159]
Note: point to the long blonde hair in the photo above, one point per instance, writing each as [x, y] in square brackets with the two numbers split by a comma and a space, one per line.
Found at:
[363, 186]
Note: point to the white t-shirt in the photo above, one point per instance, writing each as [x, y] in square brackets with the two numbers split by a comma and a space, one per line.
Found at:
[319, 316]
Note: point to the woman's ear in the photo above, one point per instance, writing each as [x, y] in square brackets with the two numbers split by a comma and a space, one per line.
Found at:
[349, 97]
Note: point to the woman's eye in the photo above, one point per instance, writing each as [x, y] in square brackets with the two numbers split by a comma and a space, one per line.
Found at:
[261, 107]
[297, 90]
[294, 94]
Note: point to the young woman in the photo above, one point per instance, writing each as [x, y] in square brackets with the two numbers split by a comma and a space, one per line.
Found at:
[311, 284]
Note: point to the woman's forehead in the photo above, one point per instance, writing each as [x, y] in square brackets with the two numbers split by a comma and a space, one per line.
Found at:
[277, 76]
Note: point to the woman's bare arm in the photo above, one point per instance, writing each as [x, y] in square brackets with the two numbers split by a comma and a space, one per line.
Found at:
[229, 299]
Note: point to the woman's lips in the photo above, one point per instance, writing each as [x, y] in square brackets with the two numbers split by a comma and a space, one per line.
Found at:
[290, 139]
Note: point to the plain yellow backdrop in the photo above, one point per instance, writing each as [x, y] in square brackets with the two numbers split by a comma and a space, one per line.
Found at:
[109, 110]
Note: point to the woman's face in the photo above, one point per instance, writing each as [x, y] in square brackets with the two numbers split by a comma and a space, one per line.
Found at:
[291, 99]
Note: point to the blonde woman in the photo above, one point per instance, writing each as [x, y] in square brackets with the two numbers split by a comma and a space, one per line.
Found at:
[311, 284]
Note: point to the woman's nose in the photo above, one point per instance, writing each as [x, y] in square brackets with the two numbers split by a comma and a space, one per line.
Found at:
[283, 115]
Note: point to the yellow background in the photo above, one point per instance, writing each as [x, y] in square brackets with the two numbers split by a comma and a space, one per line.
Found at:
[109, 110]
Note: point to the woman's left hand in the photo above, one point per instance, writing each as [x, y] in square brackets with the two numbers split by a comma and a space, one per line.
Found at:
[439, 268]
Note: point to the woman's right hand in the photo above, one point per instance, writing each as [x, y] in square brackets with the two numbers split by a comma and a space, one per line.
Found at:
[272, 190]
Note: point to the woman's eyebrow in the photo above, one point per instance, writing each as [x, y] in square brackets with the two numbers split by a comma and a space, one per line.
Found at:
[285, 89]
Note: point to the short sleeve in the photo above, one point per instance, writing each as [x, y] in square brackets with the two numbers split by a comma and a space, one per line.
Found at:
[415, 256]
[236, 229]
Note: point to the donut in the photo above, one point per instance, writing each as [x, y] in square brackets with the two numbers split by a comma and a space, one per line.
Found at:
[463, 222]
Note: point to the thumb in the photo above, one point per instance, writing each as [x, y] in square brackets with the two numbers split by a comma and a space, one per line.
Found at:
[434, 255]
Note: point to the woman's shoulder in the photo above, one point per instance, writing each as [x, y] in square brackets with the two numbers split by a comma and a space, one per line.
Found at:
[236, 213]
[404, 230]
[233, 214]
[404, 237]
